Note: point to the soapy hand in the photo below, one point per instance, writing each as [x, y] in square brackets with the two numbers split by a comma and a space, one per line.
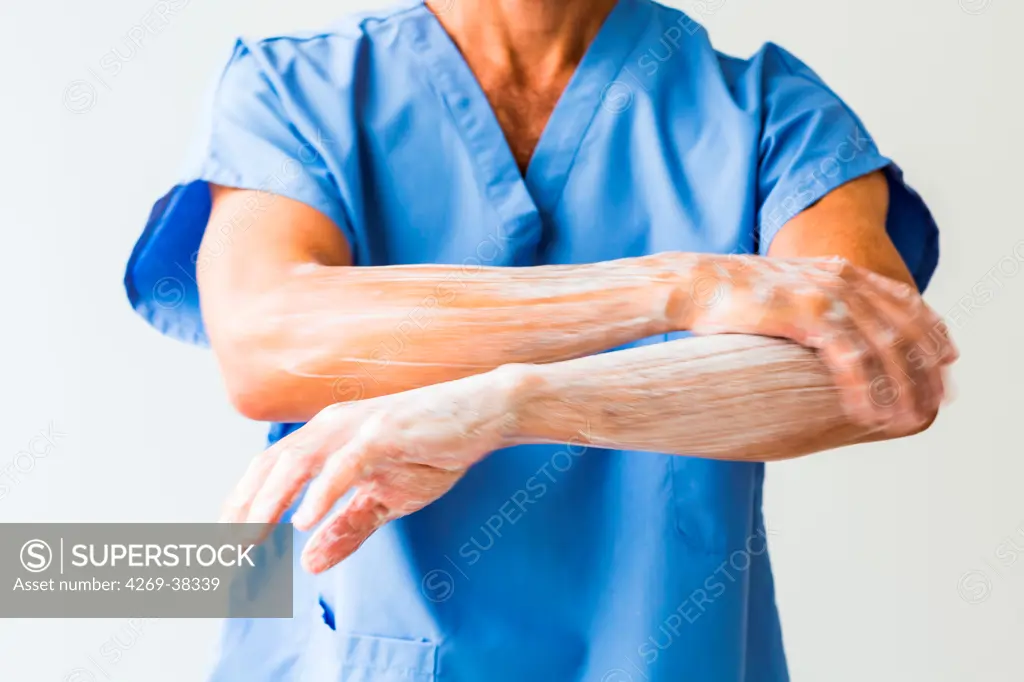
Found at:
[398, 453]
[885, 347]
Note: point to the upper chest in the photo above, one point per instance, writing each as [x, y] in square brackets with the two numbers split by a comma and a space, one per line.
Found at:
[521, 109]
[438, 160]
[429, 188]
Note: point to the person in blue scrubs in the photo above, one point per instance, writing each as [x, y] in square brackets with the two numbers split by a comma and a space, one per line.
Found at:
[398, 137]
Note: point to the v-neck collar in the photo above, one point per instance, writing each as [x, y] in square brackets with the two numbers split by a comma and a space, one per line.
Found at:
[520, 198]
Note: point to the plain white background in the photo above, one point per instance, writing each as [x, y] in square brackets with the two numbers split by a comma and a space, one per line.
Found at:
[894, 561]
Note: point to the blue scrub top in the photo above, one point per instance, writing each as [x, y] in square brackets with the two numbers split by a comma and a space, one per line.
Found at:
[546, 562]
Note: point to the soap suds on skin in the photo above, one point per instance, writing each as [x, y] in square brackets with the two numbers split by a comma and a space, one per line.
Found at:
[455, 365]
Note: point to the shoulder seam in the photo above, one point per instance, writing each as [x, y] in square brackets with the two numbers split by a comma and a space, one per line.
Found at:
[397, 14]
[296, 39]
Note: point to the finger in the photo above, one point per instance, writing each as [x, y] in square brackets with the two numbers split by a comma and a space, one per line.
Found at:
[908, 389]
[919, 346]
[926, 380]
[949, 386]
[805, 314]
[923, 371]
[942, 331]
[344, 532]
[342, 470]
[857, 370]
[833, 317]
[299, 457]
[295, 466]
[236, 507]
[928, 328]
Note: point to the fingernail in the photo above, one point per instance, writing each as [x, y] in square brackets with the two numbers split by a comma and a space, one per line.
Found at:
[301, 520]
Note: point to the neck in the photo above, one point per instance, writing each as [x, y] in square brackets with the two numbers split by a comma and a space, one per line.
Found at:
[533, 40]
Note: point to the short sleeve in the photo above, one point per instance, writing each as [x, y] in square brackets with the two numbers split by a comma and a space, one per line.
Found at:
[251, 137]
[811, 143]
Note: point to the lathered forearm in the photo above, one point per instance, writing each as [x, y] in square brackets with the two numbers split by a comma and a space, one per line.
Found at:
[329, 334]
[724, 397]
[317, 335]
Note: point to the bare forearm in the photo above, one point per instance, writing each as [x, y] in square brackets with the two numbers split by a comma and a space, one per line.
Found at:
[725, 397]
[329, 334]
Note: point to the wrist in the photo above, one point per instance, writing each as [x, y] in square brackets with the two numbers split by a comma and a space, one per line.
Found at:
[519, 384]
[678, 273]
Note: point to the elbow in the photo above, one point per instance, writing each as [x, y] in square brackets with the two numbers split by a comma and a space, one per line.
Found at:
[252, 343]
[263, 389]
[257, 394]
[256, 388]
[267, 380]
[253, 398]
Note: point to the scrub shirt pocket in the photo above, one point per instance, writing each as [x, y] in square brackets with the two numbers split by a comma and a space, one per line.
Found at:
[713, 502]
[333, 656]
